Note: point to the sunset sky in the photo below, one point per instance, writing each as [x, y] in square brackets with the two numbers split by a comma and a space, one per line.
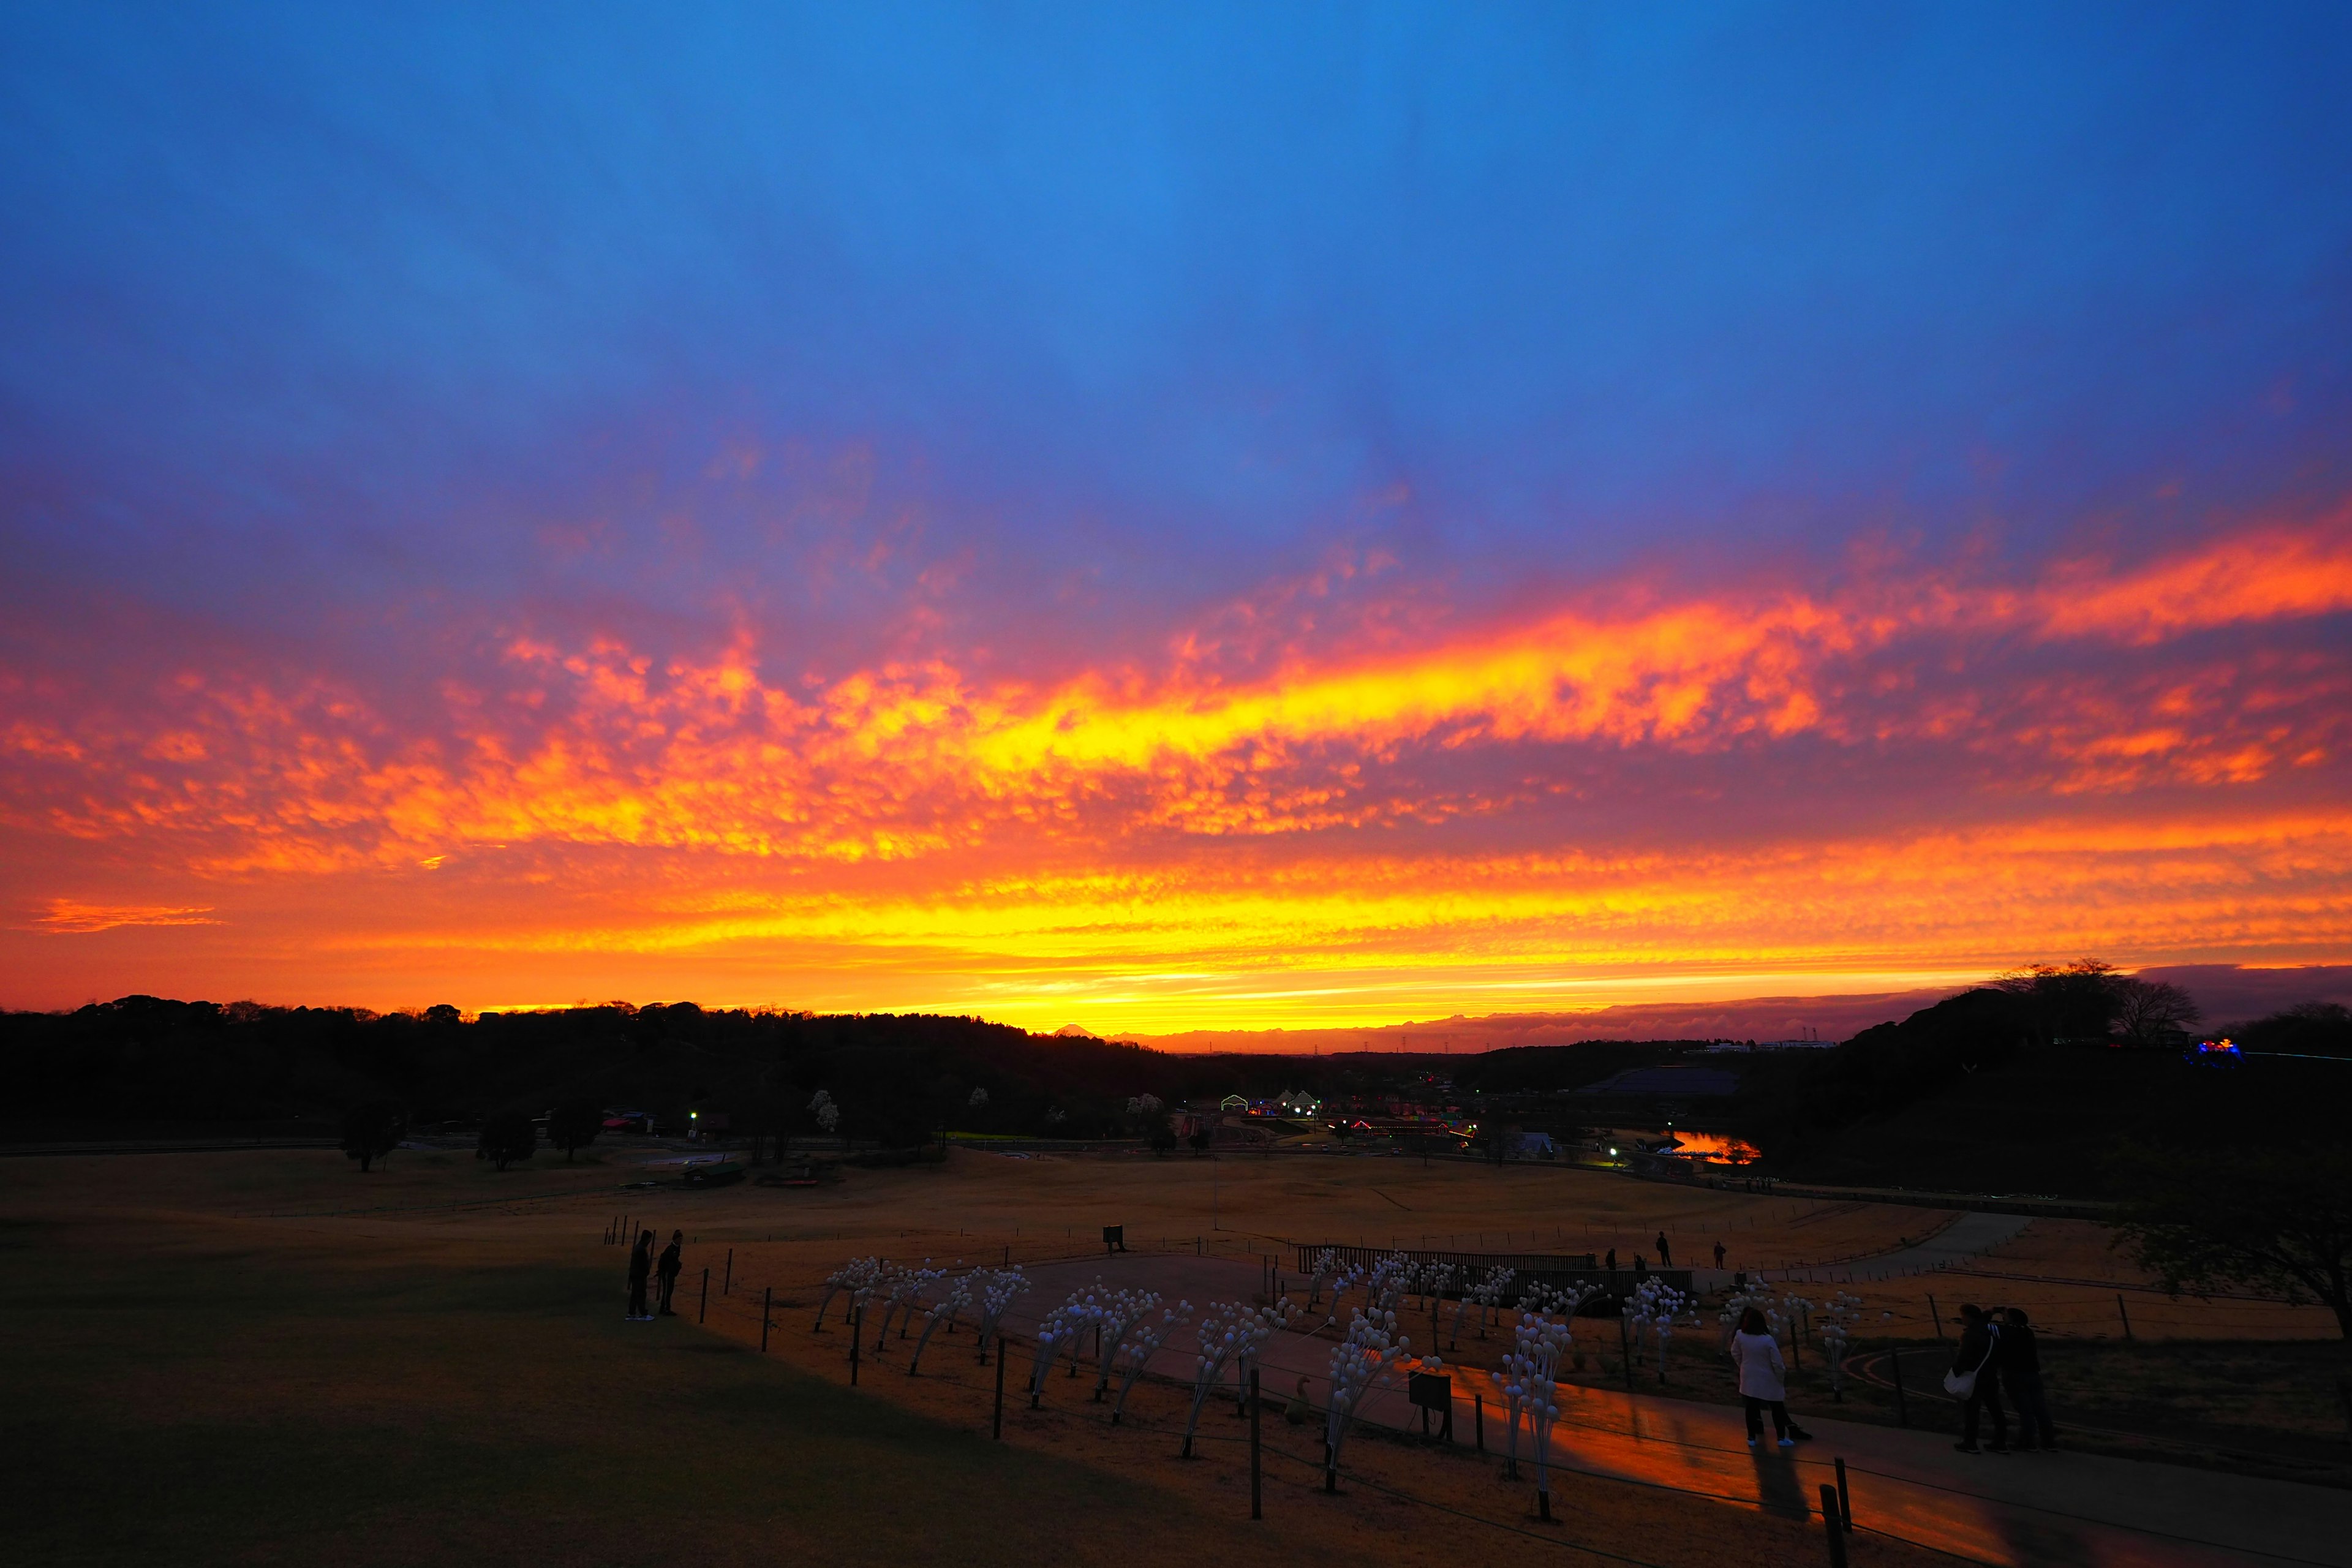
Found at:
[1227, 518]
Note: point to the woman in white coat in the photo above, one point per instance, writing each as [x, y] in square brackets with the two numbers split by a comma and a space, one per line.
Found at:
[1763, 1380]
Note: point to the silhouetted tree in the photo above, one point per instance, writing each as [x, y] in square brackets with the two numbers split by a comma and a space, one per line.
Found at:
[2075, 1000]
[574, 1124]
[506, 1137]
[2152, 1012]
[372, 1131]
[2276, 1220]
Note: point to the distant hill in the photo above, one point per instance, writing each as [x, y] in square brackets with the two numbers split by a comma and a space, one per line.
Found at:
[1978, 1094]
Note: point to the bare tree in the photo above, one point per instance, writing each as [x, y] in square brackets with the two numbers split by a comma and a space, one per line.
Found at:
[2274, 1220]
[2150, 1012]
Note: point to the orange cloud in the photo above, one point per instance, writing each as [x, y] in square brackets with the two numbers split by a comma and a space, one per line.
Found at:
[71, 917]
[1369, 810]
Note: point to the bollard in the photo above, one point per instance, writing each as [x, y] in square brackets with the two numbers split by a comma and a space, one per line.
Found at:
[1846, 1500]
[1257, 1491]
[1830, 1526]
[727, 1286]
[1901, 1405]
[702, 1313]
[2125, 1315]
[996, 1420]
[1478, 1407]
[1543, 1506]
[767, 1296]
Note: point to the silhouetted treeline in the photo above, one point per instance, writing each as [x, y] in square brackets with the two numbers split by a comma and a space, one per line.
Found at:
[896, 1077]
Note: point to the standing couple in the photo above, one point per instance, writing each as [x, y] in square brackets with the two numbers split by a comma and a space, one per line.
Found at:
[1990, 1354]
[642, 1265]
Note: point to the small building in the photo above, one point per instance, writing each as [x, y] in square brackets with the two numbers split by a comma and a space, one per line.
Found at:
[1298, 1102]
[1233, 1105]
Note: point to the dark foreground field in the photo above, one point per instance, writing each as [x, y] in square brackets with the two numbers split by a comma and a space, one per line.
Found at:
[197, 1375]
[265, 1356]
[184, 1399]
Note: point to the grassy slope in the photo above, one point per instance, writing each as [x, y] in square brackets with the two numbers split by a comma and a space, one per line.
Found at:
[171, 1403]
[2033, 1125]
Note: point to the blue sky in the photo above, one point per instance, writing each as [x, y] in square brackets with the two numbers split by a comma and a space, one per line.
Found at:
[391, 396]
[1175, 301]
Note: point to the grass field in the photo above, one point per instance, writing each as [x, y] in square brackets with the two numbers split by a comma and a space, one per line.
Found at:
[232, 1358]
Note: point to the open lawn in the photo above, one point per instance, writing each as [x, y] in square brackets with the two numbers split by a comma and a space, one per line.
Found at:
[239, 1357]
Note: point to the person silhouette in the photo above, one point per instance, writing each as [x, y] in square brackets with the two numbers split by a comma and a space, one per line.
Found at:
[1666, 1251]
[668, 1270]
[641, 1265]
[1719, 1255]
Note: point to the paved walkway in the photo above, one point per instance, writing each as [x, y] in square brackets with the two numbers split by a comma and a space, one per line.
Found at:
[2060, 1509]
[1968, 1237]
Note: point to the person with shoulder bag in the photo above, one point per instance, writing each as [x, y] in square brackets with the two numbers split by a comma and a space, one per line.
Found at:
[1975, 1380]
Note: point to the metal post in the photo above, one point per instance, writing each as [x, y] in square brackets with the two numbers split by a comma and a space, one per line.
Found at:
[1936, 1317]
[856, 1331]
[767, 1297]
[1845, 1500]
[996, 1420]
[1901, 1405]
[702, 1313]
[1478, 1407]
[2121, 1312]
[1830, 1525]
[1257, 1493]
[727, 1286]
[1625, 1346]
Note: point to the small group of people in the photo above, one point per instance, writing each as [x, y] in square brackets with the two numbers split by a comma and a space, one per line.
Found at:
[644, 1269]
[1993, 1355]
[1665, 1256]
[1998, 1351]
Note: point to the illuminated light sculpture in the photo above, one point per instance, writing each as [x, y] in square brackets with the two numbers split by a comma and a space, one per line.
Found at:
[1062, 1329]
[1116, 1314]
[996, 1290]
[1839, 1315]
[1325, 1268]
[1487, 1294]
[1796, 1316]
[855, 1276]
[1653, 1305]
[1139, 1345]
[952, 1302]
[2221, 1053]
[1385, 1283]
[1259, 1326]
[1359, 1363]
[1221, 1333]
[903, 1291]
[1529, 1383]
